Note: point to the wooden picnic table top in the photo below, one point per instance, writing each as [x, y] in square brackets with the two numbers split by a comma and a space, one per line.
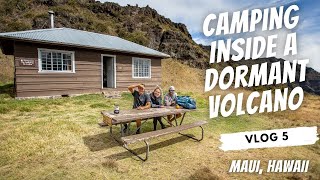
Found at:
[133, 114]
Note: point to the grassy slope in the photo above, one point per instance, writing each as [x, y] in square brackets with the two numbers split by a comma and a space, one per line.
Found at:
[6, 68]
[60, 138]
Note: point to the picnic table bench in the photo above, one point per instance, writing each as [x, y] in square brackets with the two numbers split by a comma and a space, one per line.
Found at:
[128, 116]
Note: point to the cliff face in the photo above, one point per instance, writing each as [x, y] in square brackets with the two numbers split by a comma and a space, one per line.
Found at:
[140, 25]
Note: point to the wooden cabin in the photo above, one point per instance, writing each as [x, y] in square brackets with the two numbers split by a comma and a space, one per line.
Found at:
[64, 61]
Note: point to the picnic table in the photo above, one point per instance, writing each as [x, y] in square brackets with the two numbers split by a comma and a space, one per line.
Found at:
[129, 116]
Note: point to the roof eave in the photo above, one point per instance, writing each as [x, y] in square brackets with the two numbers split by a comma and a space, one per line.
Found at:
[81, 46]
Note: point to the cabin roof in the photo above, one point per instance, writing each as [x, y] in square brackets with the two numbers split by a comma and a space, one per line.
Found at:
[79, 38]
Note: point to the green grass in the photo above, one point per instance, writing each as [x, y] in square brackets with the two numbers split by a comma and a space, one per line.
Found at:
[60, 139]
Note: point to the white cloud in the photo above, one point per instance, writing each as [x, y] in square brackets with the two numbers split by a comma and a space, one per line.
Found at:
[308, 40]
[202, 41]
[309, 48]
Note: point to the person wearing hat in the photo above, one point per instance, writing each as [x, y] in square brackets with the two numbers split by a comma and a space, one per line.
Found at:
[170, 99]
[141, 100]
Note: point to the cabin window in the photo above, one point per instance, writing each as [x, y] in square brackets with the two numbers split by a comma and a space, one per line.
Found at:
[141, 68]
[56, 61]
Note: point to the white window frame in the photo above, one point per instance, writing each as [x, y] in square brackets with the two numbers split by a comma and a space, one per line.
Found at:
[138, 58]
[73, 66]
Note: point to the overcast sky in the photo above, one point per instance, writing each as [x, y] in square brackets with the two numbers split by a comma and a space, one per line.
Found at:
[193, 12]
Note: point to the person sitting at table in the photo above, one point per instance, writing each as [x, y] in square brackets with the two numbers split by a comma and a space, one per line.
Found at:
[170, 99]
[156, 102]
[141, 100]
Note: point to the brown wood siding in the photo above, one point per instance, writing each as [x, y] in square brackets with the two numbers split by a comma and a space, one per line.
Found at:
[124, 73]
[87, 76]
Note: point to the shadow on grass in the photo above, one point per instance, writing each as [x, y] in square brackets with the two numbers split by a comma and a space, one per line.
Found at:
[99, 142]
[7, 89]
[141, 151]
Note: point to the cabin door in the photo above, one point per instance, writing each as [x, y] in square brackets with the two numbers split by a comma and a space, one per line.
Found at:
[108, 71]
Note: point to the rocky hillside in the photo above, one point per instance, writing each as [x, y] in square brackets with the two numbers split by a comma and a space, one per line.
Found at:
[141, 25]
[311, 85]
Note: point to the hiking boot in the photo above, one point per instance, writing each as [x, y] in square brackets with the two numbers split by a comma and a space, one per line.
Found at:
[124, 129]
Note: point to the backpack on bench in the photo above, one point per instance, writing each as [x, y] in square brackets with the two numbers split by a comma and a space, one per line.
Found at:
[186, 102]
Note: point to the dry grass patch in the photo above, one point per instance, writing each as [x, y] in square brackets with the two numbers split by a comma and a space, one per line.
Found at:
[60, 138]
[6, 68]
[181, 76]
